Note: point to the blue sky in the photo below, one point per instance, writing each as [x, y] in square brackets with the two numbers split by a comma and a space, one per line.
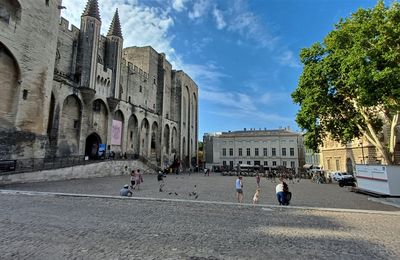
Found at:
[243, 55]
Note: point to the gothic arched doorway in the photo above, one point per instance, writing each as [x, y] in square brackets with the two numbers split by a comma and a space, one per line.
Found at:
[9, 87]
[92, 146]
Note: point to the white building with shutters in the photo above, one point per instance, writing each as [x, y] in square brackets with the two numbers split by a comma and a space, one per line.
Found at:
[269, 148]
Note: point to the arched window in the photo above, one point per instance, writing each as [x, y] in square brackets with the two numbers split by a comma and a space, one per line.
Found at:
[9, 87]
[10, 10]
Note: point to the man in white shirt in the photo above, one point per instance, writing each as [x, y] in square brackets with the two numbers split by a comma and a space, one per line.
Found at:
[239, 189]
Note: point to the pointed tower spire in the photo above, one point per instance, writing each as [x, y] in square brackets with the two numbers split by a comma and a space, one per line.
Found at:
[92, 9]
[115, 27]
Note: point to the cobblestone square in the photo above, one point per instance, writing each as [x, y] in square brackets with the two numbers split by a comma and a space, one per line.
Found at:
[215, 188]
[162, 225]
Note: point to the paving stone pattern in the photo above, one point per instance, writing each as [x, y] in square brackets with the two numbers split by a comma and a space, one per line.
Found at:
[52, 227]
[215, 188]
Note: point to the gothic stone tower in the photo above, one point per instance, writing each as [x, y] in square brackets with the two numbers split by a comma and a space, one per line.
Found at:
[114, 53]
[89, 44]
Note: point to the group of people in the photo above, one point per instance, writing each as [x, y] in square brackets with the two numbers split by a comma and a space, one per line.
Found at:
[136, 180]
[283, 194]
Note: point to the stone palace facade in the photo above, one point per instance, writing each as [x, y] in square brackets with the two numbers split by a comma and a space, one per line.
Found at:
[68, 92]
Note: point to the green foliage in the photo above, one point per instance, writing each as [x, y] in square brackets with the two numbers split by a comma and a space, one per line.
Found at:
[201, 146]
[356, 68]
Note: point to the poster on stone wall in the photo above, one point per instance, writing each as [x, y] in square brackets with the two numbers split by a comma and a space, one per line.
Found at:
[102, 150]
[116, 132]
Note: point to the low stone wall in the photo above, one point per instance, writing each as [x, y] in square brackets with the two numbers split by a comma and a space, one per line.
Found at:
[100, 169]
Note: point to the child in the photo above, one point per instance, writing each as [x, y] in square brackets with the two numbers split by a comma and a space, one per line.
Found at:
[132, 179]
[256, 196]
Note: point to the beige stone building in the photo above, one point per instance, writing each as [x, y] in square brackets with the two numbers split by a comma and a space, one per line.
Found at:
[338, 157]
[68, 91]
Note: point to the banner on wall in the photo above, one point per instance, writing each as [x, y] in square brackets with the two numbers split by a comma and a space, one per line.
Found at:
[116, 132]
[102, 150]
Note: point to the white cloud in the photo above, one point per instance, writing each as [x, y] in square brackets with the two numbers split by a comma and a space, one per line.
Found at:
[273, 98]
[287, 58]
[141, 25]
[255, 118]
[248, 26]
[178, 5]
[208, 76]
[231, 100]
[219, 18]
[200, 8]
[197, 46]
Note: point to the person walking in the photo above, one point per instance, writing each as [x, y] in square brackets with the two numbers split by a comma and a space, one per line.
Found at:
[258, 180]
[160, 179]
[132, 179]
[138, 179]
[239, 189]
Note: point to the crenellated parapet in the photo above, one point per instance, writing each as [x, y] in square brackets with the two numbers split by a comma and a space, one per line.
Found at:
[135, 70]
[64, 27]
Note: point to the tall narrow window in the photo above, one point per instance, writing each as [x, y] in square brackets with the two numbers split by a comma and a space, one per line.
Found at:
[337, 165]
[292, 165]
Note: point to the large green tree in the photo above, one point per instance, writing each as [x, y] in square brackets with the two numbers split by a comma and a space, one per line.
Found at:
[350, 84]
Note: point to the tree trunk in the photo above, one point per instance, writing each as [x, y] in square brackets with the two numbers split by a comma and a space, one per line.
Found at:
[393, 136]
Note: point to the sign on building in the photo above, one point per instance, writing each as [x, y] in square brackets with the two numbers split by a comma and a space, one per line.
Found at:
[116, 132]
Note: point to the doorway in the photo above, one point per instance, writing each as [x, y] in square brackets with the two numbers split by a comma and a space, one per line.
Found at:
[92, 146]
[349, 166]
